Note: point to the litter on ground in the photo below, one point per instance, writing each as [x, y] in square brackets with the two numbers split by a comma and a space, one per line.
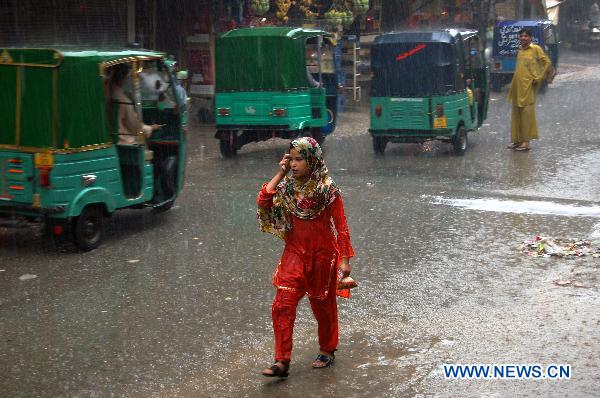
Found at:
[547, 247]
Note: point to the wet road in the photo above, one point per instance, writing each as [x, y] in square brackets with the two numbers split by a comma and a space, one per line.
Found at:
[179, 304]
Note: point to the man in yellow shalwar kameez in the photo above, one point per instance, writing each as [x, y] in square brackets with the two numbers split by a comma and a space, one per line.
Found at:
[531, 69]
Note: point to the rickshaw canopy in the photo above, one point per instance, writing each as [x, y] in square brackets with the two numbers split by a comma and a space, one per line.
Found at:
[416, 64]
[56, 99]
[263, 58]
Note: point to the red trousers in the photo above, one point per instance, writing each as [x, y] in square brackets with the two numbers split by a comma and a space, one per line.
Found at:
[284, 315]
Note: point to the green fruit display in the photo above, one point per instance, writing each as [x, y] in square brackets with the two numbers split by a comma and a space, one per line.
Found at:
[259, 7]
[360, 6]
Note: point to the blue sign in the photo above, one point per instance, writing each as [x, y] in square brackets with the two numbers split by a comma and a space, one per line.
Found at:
[506, 36]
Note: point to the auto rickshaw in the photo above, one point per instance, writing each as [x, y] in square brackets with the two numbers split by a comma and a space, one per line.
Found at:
[427, 85]
[61, 160]
[506, 45]
[275, 82]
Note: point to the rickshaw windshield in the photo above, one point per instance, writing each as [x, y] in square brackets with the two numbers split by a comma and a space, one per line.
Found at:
[413, 69]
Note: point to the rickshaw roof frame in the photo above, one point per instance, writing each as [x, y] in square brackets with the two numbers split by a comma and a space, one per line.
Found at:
[525, 22]
[426, 36]
[106, 57]
[275, 31]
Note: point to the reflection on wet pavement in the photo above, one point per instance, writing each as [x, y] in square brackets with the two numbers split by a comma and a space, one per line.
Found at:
[521, 207]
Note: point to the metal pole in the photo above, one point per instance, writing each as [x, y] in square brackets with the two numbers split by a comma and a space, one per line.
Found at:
[521, 9]
[154, 27]
[131, 21]
[319, 48]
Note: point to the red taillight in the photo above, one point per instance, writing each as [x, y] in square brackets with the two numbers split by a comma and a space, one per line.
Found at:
[279, 112]
[439, 110]
[44, 176]
[58, 230]
[378, 111]
[224, 111]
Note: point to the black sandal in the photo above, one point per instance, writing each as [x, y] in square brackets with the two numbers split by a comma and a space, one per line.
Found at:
[327, 360]
[277, 371]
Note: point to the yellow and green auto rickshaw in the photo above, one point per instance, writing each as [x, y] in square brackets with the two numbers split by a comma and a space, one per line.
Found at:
[430, 85]
[65, 158]
[275, 82]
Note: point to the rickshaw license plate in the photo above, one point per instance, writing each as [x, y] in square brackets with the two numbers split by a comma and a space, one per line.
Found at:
[44, 159]
[440, 123]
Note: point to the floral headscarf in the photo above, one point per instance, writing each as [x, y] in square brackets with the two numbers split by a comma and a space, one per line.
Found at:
[304, 201]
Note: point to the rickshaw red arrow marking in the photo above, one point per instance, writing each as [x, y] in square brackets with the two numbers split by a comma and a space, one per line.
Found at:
[407, 54]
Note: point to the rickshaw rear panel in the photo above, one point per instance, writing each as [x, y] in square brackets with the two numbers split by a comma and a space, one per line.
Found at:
[256, 109]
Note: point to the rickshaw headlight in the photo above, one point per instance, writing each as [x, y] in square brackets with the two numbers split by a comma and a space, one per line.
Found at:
[439, 110]
[378, 111]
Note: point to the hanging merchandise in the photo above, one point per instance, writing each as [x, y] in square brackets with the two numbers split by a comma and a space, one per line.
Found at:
[283, 6]
[347, 19]
[360, 6]
[305, 7]
[333, 17]
[259, 7]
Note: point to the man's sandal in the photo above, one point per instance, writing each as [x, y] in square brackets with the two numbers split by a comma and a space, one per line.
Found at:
[323, 361]
[513, 145]
[277, 370]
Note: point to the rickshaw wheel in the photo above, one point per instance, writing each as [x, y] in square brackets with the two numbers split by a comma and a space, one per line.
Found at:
[88, 228]
[460, 142]
[379, 144]
[227, 150]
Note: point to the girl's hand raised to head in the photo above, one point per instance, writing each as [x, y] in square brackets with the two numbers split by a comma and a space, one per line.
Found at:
[284, 164]
[284, 167]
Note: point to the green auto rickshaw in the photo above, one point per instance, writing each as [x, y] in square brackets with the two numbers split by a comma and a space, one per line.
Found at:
[427, 86]
[65, 158]
[275, 82]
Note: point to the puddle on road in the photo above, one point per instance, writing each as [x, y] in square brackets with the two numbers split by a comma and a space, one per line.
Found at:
[521, 207]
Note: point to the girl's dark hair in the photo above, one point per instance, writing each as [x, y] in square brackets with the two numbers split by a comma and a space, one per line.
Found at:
[527, 31]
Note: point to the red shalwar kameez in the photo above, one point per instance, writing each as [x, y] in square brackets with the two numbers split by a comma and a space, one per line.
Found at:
[309, 266]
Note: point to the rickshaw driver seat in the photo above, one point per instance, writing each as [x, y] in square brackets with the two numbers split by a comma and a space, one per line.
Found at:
[132, 155]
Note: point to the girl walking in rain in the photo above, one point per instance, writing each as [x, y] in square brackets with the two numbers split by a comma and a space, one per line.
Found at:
[307, 212]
